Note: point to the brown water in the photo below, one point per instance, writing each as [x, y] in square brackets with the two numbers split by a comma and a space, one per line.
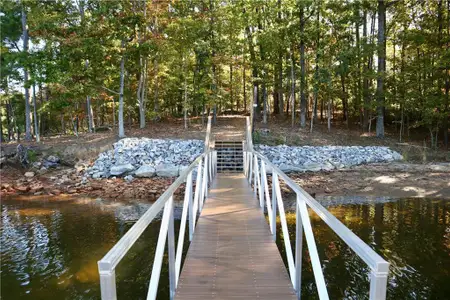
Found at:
[412, 234]
[50, 249]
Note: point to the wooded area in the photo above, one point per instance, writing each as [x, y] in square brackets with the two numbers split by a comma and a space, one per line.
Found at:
[78, 65]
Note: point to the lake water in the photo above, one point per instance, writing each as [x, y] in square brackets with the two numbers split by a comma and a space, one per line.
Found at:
[50, 249]
[412, 234]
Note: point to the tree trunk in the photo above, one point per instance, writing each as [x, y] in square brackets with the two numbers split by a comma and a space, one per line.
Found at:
[156, 100]
[302, 69]
[90, 113]
[25, 77]
[231, 86]
[244, 90]
[213, 54]
[2, 139]
[280, 82]
[316, 72]
[36, 127]
[447, 85]
[366, 78]
[381, 67]
[8, 120]
[122, 75]
[292, 88]
[358, 100]
[265, 106]
[276, 102]
[344, 99]
[280, 62]
[63, 125]
[254, 71]
[185, 106]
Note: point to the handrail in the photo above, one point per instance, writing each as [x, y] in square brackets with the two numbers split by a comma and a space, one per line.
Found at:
[379, 266]
[206, 170]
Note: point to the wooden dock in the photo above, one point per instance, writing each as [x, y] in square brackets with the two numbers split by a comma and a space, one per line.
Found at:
[232, 255]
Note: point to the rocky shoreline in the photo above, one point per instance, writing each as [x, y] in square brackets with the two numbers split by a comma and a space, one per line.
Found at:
[325, 158]
[144, 157]
[145, 168]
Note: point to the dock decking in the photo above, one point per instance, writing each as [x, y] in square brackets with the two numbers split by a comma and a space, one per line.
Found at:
[232, 255]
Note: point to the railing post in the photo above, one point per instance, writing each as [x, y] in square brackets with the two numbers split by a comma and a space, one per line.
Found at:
[108, 284]
[210, 166]
[215, 163]
[171, 252]
[204, 188]
[378, 285]
[190, 205]
[262, 187]
[187, 205]
[298, 249]
[250, 162]
[312, 249]
[255, 177]
[266, 192]
[258, 185]
[284, 228]
[159, 252]
[246, 165]
[197, 193]
[274, 205]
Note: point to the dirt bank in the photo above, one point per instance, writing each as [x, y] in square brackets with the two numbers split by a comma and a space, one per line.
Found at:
[392, 180]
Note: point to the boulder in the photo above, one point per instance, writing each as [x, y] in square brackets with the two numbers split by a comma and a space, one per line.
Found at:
[36, 187]
[22, 188]
[120, 169]
[167, 170]
[49, 164]
[53, 159]
[128, 178]
[29, 174]
[98, 175]
[145, 171]
[37, 164]
[312, 166]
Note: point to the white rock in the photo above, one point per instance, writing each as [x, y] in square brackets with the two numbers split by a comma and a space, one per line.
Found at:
[166, 170]
[53, 159]
[120, 169]
[128, 178]
[145, 171]
[29, 174]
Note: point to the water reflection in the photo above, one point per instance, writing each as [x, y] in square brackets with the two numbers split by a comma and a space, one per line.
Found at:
[50, 249]
[412, 234]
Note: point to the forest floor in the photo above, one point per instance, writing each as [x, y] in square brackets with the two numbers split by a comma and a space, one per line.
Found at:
[423, 173]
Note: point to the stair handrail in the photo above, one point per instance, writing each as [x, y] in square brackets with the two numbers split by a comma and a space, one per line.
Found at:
[256, 166]
[193, 203]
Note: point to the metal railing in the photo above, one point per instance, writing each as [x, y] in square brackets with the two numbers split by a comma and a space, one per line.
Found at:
[255, 168]
[192, 206]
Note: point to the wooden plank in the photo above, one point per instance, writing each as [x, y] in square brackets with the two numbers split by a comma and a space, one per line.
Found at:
[233, 255]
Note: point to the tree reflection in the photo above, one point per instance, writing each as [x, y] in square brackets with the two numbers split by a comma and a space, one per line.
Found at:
[412, 234]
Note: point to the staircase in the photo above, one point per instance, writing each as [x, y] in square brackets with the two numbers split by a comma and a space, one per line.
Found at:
[229, 156]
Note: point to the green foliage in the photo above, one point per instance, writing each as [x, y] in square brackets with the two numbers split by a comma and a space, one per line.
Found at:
[32, 155]
[206, 50]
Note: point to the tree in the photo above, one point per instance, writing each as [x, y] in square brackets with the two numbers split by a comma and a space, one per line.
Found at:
[25, 39]
[381, 67]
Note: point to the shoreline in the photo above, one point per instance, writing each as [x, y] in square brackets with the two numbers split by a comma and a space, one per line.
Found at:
[394, 180]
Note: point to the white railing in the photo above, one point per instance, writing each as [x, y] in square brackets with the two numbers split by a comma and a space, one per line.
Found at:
[192, 206]
[255, 168]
